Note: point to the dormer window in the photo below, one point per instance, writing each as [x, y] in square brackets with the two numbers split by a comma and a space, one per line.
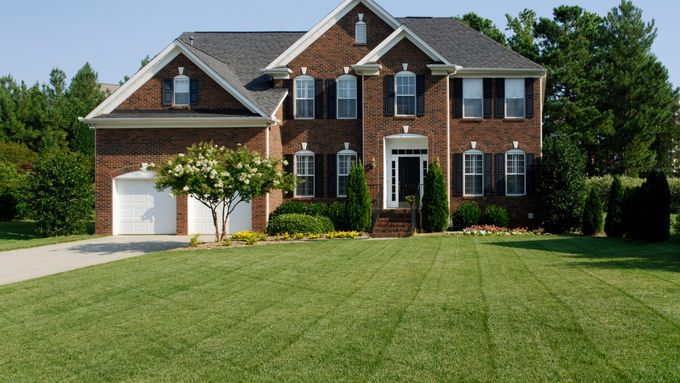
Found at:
[182, 90]
[360, 30]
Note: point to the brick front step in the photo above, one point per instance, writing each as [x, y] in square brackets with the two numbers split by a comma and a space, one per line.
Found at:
[393, 224]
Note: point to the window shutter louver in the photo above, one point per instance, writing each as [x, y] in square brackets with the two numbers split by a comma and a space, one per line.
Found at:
[500, 174]
[331, 93]
[360, 97]
[167, 91]
[289, 102]
[389, 95]
[331, 164]
[318, 176]
[488, 97]
[289, 169]
[420, 95]
[193, 90]
[458, 174]
[458, 98]
[531, 174]
[529, 97]
[488, 186]
[318, 99]
[500, 98]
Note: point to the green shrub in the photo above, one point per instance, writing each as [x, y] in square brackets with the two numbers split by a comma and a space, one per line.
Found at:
[336, 213]
[674, 186]
[358, 203]
[496, 216]
[435, 209]
[592, 214]
[562, 185]
[656, 206]
[614, 226]
[62, 195]
[299, 224]
[249, 237]
[633, 214]
[296, 207]
[8, 207]
[467, 214]
[602, 185]
[676, 224]
[17, 154]
[195, 240]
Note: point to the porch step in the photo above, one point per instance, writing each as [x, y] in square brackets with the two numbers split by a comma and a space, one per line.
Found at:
[393, 224]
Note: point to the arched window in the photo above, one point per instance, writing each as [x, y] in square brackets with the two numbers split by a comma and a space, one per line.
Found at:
[182, 90]
[515, 173]
[473, 174]
[304, 173]
[406, 93]
[360, 30]
[304, 97]
[347, 97]
[346, 159]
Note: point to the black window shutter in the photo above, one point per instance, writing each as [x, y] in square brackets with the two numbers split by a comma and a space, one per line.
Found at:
[331, 164]
[360, 97]
[193, 90]
[389, 95]
[288, 169]
[167, 91]
[500, 174]
[488, 159]
[531, 174]
[529, 97]
[331, 93]
[289, 102]
[318, 101]
[458, 174]
[420, 95]
[318, 176]
[500, 98]
[458, 98]
[488, 95]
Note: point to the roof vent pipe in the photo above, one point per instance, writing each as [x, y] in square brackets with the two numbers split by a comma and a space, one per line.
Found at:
[191, 41]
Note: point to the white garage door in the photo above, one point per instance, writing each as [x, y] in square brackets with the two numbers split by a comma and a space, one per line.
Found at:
[201, 221]
[141, 209]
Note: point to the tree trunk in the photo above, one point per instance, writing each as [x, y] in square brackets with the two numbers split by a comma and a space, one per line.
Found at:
[216, 223]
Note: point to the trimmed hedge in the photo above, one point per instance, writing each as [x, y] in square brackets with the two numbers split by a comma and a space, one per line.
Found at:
[299, 223]
[467, 214]
[657, 197]
[335, 211]
[614, 225]
[496, 216]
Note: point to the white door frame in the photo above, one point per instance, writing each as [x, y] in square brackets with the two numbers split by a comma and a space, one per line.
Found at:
[405, 142]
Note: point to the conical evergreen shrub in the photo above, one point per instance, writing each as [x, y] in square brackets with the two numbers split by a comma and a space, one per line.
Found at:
[592, 214]
[358, 203]
[614, 225]
[435, 207]
[656, 208]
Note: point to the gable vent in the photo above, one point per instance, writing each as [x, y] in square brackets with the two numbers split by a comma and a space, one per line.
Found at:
[360, 30]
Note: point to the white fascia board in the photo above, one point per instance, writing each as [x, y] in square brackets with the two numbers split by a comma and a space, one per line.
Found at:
[278, 106]
[154, 66]
[500, 72]
[176, 123]
[392, 40]
[278, 73]
[367, 69]
[324, 25]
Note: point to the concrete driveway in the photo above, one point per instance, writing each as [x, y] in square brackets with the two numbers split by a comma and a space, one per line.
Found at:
[24, 264]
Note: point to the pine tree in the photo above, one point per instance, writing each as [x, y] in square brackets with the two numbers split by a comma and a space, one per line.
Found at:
[358, 202]
[592, 214]
[435, 208]
[614, 225]
[484, 26]
[656, 208]
[522, 40]
[83, 95]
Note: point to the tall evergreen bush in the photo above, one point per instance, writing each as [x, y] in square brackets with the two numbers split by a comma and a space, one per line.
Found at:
[592, 214]
[614, 226]
[358, 203]
[435, 201]
[656, 207]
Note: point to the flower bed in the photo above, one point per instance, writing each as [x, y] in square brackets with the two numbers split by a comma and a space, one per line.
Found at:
[482, 230]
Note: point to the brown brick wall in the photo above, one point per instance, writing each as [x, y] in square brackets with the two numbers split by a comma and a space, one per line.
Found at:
[211, 96]
[121, 151]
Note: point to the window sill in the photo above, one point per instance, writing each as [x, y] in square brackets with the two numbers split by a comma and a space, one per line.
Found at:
[180, 107]
[514, 119]
[411, 118]
[472, 119]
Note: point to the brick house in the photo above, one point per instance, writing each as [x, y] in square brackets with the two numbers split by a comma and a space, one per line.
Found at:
[396, 93]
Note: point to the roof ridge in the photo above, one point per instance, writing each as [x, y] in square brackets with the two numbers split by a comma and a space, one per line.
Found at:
[245, 32]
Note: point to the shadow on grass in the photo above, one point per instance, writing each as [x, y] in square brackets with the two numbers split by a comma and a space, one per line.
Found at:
[607, 253]
[25, 230]
[145, 247]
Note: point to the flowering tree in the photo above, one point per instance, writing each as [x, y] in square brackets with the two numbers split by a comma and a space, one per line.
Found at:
[221, 179]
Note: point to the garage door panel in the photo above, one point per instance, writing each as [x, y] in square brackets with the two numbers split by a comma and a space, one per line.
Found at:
[141, 209]
[201, 221]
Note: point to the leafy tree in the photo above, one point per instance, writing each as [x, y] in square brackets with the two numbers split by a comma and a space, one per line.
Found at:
[522, 39]
[614, 225]
[592, 214]
[485, 26]
[83, 95]
[62, 194]
[358, 202]
[221, 179]
[435, 201]
[562, 184]
[656, 207]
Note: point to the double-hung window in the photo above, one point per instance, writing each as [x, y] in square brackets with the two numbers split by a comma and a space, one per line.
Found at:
[182, 87]
[515, 173]
[304, 171]
[473, 174]
[473, 98]
[304, 97]
[514, 98]
[406, 94]
[346, 159]
[347, 97]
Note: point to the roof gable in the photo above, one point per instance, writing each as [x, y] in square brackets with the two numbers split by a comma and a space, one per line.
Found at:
[403, 32]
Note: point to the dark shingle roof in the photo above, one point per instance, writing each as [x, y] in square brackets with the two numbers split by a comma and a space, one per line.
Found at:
[464, 46]
[173, 114]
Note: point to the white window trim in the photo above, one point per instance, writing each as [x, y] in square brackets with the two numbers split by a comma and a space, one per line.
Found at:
[313, 97]
[356, 33]
[415, 94]
[481, 99]
[506, 101]
[305, 153]
[337, 97]
[174, 90]
[337, 169]
[473, 152]
[510, 152]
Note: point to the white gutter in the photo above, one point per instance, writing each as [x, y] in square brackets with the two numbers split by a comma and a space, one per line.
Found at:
[177, 122]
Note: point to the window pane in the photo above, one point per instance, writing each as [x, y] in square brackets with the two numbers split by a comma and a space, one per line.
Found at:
[181, 98]
[304, 97]
[347, 108]
[342, 186]
[406, 105]
[473, 108]
[473, 88]
[515, 107]
[514, 88]
[515, 185]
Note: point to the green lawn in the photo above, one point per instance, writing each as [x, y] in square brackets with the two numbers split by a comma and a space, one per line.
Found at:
[21, 234]
[419, 309]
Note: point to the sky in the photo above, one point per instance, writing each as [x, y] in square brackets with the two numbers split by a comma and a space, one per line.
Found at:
[113, 36]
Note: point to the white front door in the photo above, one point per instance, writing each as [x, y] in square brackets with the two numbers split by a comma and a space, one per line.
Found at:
[201, 220]
[140, 209]
[406, 161]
